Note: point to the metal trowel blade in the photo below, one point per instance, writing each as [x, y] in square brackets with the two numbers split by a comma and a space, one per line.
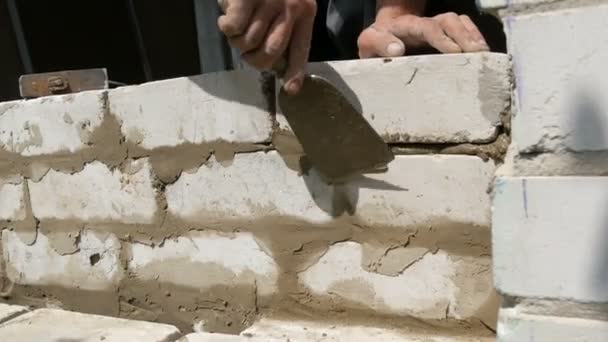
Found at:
[336, 138]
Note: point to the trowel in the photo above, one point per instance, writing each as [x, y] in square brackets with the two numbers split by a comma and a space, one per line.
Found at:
[336, 139]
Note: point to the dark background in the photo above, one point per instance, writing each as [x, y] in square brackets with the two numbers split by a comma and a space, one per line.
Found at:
[71, 34]
[136, 40]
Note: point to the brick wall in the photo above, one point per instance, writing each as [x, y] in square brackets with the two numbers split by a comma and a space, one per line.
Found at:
[180, 202]
[549, 227]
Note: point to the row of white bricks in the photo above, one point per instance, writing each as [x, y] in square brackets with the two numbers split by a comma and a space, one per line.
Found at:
[19, 324]
[416, 189]
[549, 244]
[423, 191]
[549, 233]
[438, 99]
[406, 95]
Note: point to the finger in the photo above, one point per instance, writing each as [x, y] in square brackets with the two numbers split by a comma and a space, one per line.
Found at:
[455, 29]
[474, 31]
[299, 50]
[418, 32]
[377, 42]
[436, 37]
[237, 17]
[258, 28]
[274, 46]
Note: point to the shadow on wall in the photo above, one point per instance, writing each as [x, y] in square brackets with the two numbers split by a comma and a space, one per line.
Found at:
[339, 199]
[335, 200]
[588, 130]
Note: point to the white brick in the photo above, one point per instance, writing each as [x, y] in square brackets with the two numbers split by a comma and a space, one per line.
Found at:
[207, 337]
[489, 4]
[11, 200]
[425, 289]
[51, 124]
[415, 190]
[8, 312]
[560, 91]
[296, 330]
[96, 194]
[40, 264]
[441, 98]
[549, 237]
[213, 260]
[227, 106]
[56, 325]
[514, 326]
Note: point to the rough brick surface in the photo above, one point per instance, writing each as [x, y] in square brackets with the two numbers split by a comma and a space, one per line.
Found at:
[416, 190]
[11, 199]
[8, 312]
[560, 93]
[226, 106]
[210, 260]
[56, 325]
[449, 98]
[425, 287]
[514, 326]
[549, 237]
[296, 330]
[40, 264]
[206, 337]
[51, 124]
[251, 235]
[96, 194]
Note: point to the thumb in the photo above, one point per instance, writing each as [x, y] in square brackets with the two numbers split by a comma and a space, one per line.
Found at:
[377, 42]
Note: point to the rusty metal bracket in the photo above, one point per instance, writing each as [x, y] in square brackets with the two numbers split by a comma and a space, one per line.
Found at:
[62, 82]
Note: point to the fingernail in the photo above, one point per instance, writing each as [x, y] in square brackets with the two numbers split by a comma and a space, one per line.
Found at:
[395, 49]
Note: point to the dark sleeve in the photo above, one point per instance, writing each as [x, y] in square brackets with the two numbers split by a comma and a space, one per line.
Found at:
[345, 21]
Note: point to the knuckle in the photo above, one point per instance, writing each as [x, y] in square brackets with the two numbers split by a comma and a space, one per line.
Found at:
[465, 17]
[430, 25]
[309, 7]
[293, 5]
[274, 48]
[232, 27]
[451, 15]
[301, 6]
[447, 17]
[253, 42]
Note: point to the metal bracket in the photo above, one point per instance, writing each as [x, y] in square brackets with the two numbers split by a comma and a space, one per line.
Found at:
[62, 82]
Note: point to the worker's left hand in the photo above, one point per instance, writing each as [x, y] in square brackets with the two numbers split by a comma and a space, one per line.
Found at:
[447, 33]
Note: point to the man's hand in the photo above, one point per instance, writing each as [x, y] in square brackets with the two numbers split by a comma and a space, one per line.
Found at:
[447, 33]
[266, 30]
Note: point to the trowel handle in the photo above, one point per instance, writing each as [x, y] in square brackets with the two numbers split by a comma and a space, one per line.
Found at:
[280, 67]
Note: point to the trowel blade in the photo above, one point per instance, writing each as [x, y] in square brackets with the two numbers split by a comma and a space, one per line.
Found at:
[336, 138]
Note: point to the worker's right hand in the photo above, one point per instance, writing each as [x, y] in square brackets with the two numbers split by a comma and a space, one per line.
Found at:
[266, 30]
